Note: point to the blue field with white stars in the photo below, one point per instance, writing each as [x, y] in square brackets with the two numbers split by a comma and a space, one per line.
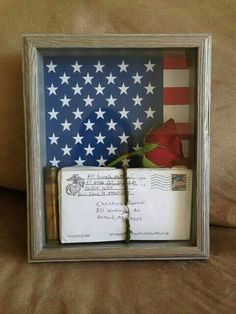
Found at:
[100, 108]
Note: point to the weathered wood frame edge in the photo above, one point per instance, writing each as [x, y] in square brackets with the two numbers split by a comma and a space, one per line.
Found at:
[31, 44]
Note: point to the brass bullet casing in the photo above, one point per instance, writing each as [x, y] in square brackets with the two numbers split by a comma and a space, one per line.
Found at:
[51, 204]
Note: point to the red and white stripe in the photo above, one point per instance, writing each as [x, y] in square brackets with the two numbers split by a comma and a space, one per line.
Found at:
[176, 98]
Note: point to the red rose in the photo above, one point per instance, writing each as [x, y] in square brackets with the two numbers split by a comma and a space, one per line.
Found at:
[169, 146]
[162, 147]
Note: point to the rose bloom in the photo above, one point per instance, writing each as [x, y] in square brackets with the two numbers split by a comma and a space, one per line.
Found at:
[169, 150]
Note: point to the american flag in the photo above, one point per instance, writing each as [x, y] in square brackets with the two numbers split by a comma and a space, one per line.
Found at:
[98, 108]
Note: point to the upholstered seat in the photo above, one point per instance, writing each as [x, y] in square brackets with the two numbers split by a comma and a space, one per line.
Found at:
[111, 287]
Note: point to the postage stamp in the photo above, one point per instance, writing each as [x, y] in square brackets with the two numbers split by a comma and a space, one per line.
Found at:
[178, 182]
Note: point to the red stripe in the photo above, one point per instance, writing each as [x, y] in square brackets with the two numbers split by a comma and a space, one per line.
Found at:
[184, 130]
[176, 96]
[175, 62]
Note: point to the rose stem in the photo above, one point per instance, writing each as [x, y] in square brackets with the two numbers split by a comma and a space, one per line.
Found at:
[117, 160]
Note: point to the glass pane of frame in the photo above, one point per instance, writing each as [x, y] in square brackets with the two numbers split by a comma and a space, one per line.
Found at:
[100, 104]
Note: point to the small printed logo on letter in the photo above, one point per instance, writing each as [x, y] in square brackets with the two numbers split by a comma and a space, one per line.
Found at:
[76, 185]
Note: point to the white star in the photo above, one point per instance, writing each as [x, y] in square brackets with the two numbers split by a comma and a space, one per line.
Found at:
[78, 113]
[149, 66]
[53, 139]
[76, 67]
[52, 89]
[123, 89]
[66, 150]
[88, 101]
[111, 150]
[123, 138]
[100, 138]
[110, 79]
[99, 67]
[111, 101]
[123, 113]
[100, 113]
[64, 79]
[65, 101]
[149, 88]
[123, 66]
[89, 125]
[150, 112]
[112, 125]
[89, 150]
[125, 162]
[66, 125]
[137, 147]
[137, 100]
[88, 79]
[99, 89]
[53, 114]
[54, 162]
[78, 138]
[137, 124]
[101, 161]
[137, 78]
[77, 89]
[80, 161]
[51, 67]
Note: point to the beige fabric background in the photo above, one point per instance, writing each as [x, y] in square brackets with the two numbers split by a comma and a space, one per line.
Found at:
[128, 287]
[122, 16]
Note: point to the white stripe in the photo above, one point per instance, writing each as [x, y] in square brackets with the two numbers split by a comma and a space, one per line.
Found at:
[176, 78]
[180, 113]
[185, 147]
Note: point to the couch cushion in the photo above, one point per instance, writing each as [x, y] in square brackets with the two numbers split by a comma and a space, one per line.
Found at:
[111, 287]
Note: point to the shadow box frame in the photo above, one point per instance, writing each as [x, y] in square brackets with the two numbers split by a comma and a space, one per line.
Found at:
[38, 250]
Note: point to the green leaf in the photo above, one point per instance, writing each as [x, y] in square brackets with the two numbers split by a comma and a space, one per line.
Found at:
[148, 163]
[148, 147]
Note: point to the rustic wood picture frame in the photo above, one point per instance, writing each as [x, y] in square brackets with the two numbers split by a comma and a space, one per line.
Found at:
[38, 250]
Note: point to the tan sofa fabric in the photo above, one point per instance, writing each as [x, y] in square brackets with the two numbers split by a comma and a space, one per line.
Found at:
[147, 287]
[121, 16]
